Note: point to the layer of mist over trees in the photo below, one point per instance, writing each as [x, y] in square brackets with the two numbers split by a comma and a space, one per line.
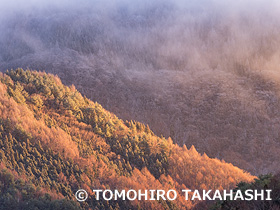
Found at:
[204, 72]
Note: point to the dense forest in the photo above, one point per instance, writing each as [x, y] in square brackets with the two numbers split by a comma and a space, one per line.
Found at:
[54, 141]
[264, 182]
[204, 72]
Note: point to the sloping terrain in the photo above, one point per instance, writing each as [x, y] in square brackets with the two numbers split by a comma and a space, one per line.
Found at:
[54, 141]
[205, 73]
[271, 182]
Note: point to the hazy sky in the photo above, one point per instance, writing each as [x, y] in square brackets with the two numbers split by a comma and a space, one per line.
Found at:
[164, 34]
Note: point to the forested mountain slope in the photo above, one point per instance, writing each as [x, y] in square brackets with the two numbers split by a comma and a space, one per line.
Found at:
[264, 182]
[204, 72]
[55, 141]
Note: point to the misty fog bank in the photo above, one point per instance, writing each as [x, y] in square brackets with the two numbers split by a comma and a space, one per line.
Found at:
[172, 35]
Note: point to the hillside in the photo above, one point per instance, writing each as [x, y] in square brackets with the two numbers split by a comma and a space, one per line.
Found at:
[264, 182]
[204, 72]
[55, 141]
